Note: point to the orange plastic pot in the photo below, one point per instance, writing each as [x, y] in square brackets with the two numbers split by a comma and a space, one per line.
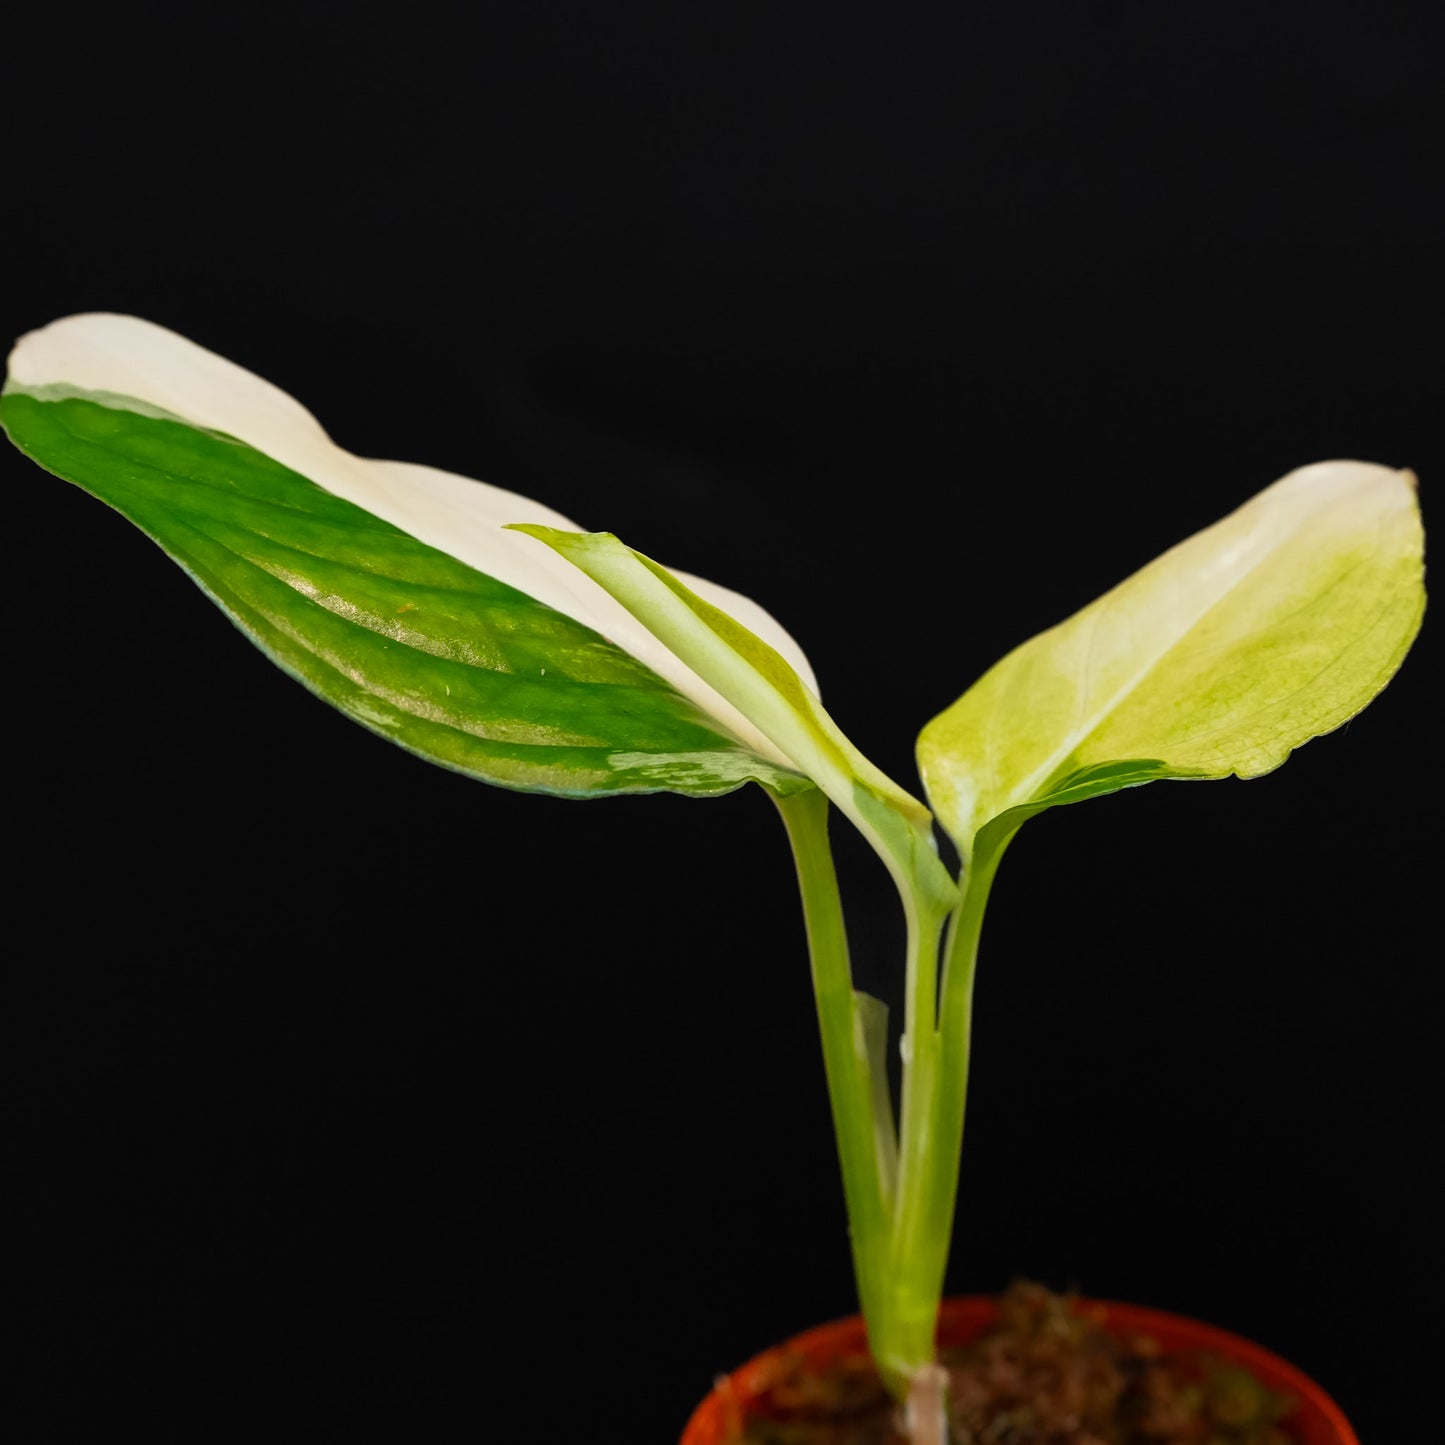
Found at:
[1315, 1420]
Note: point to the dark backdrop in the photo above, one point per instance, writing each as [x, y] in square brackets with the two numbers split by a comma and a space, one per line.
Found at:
[351, 1100]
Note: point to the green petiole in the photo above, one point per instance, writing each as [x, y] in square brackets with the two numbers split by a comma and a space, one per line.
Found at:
[895, 1209]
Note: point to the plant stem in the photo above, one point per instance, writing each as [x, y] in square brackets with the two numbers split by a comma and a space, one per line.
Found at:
[900, 1235]
[935, 1094]
[905, 1333]
[845, 1061]
[956, 1031]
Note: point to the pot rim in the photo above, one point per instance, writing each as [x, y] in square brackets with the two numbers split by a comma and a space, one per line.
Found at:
[1316, 1415]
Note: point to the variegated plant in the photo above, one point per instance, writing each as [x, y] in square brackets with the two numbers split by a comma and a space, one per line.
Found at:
[488, 634]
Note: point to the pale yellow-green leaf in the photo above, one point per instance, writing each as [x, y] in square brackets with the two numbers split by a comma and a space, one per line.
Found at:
[1273, 626]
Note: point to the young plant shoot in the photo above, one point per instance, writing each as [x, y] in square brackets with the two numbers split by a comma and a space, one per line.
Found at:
[486, 633]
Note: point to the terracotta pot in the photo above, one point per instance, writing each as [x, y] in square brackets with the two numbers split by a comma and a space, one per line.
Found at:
[1317, 1420]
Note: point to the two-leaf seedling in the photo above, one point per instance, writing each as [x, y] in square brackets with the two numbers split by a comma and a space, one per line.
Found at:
[488, 634]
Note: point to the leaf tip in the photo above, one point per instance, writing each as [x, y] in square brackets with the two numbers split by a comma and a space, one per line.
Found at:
[556, 537]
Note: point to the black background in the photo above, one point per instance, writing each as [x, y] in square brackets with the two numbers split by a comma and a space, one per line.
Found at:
[351, 1100]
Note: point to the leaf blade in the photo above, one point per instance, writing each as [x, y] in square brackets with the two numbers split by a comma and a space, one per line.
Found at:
[1272, 627]
[447, 662]
[141, 367]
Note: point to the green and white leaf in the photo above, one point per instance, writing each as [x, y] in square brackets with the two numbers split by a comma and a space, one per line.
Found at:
[393, 591]
[743, 667]
[1272, 627]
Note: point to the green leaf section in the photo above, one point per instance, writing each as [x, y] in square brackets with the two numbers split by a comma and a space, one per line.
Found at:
[448, 663]
[1270, 628]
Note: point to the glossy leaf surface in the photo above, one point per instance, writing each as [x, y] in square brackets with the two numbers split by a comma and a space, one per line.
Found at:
[444, 660]
[1270, 628]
